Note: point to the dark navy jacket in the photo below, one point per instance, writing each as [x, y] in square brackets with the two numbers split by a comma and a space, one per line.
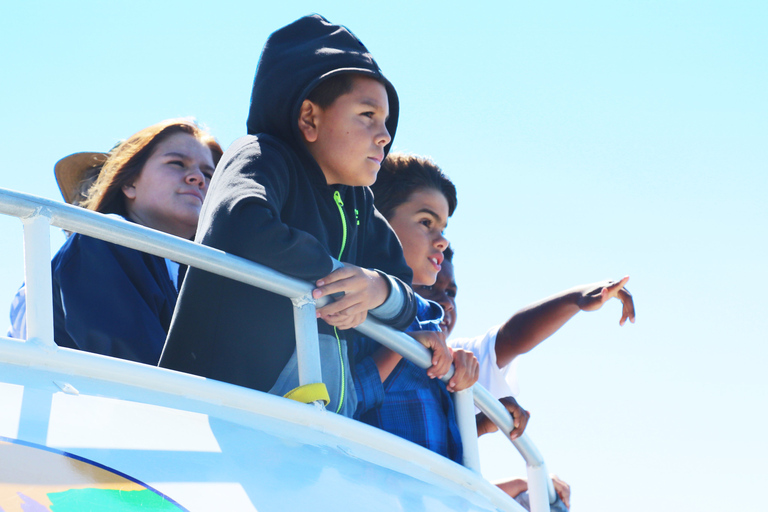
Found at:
[111, 300]
[269, 202]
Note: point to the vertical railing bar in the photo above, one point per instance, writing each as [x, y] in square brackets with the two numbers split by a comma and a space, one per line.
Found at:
[307, 340]
[499, 415]
[465, 417]
[538, 493]
[37, 278]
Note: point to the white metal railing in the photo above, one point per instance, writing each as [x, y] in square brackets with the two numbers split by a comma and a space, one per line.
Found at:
[37, 214]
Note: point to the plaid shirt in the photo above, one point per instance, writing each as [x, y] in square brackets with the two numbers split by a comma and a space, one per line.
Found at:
[408, 404]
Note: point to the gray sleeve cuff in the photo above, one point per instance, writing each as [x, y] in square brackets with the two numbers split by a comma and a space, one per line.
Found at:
[336, 264]
[394, 303]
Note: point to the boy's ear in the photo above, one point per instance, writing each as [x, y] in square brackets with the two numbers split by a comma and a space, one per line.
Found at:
[308, 120]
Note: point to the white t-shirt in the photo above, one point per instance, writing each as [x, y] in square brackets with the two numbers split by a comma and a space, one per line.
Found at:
[500, 382]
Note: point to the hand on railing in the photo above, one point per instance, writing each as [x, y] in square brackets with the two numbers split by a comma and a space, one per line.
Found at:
[519, 419]
[359, 290]
[442, 358]
[466, 370]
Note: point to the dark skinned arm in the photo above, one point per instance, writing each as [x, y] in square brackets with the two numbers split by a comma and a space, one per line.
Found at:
[538, 321]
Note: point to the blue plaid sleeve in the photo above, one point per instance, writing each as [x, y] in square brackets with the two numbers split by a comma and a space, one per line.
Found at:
[368, 385]
[408, 404]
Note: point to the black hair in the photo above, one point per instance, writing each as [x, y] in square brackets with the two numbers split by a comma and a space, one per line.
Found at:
[401, 175]
[326, 92]
[448, 254]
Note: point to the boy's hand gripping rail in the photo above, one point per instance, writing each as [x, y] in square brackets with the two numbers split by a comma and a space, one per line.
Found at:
[36, 213]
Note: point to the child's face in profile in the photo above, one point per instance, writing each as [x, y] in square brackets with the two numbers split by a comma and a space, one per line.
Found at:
[419, 223]
[444, 293]
[350, 134]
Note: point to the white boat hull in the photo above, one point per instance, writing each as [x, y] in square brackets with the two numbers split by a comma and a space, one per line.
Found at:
[89, 425]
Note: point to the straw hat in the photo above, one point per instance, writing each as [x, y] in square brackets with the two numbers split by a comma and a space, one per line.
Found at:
[72, 170]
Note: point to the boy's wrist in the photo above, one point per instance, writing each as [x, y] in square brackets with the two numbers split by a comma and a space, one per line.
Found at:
[393, 303]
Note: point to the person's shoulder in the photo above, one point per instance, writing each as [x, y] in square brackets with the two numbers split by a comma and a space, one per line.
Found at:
[476, 343]
[78, 243]
[427, 309]
[256, 148]
[254, 167]
[75, 244]
[256, 142]
[428, 315]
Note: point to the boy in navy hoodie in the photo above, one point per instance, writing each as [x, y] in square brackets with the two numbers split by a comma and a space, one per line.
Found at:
[293, 195]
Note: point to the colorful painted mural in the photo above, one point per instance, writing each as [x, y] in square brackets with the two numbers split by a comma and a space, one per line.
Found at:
[36, 478]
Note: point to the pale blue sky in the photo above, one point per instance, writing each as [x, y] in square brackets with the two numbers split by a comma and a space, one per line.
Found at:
[587, 140]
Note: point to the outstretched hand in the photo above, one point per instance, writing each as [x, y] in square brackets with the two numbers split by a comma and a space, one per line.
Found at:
[598, 294]
[520, 419]
[441, 354]
[359, 290]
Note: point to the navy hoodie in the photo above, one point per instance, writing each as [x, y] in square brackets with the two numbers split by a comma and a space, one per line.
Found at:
[111, 300]
[270, 202]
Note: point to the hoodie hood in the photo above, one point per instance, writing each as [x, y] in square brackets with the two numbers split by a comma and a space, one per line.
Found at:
[295, 59]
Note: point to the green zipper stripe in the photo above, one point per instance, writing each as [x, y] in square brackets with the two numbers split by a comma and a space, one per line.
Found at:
[340, 206]
[343, 371]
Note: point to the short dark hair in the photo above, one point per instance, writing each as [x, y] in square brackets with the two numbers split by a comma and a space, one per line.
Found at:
[326, 92]
[401, 175]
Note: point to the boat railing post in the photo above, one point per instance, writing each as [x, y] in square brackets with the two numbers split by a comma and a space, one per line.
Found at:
[541, 491]
[307, 340]
[37, 277]
[465, 418]
[538, 483]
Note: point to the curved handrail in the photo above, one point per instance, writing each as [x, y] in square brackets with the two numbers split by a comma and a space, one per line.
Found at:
[76, 219]
[110, 229]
